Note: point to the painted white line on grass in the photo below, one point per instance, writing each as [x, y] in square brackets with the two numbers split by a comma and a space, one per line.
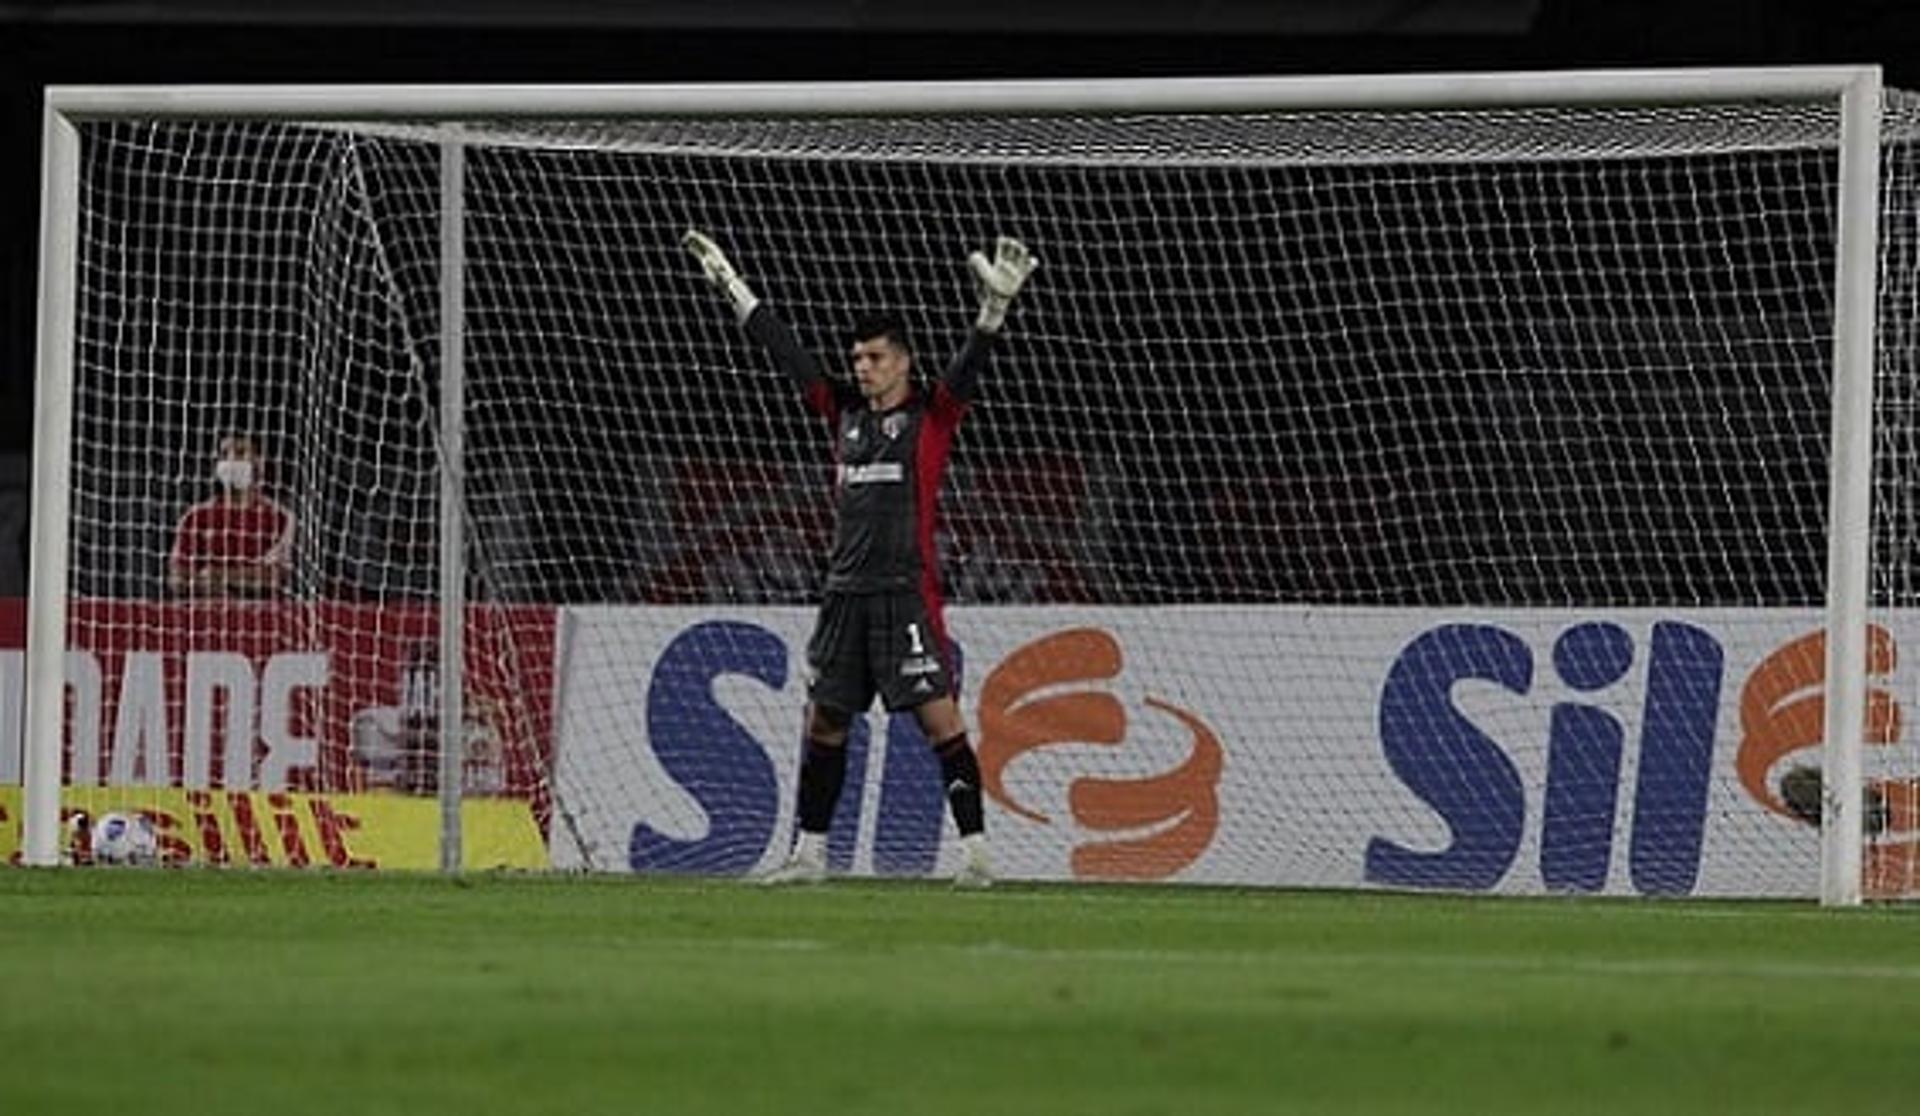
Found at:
[1522, 965]
[740, 945]
[1312, 903]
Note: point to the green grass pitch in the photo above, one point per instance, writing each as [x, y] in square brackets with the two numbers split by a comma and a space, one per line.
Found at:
[352, 995]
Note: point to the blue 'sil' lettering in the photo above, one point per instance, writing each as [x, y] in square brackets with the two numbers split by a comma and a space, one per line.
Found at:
[726, 770]
[1584, 747]
[1474, 786]
[708, 753]
[1676, 758]
[1453, 766]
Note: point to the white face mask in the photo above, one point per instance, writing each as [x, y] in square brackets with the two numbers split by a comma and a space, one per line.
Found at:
[234, 473]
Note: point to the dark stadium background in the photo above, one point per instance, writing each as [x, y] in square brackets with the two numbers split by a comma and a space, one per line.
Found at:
[44, 42]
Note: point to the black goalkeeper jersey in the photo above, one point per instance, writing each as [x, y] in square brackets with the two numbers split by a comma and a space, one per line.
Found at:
[887, 464]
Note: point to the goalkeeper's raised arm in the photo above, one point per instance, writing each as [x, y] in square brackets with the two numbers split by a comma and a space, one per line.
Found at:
[999, 279]
[761, 324]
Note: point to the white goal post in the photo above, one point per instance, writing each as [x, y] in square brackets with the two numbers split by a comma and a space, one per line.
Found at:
[457, 118]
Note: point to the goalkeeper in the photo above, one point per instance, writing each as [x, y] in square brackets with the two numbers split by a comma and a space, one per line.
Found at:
[879, 629]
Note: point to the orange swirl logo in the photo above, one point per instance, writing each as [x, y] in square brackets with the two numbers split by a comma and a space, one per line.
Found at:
[1783, 710]
[1169, 818]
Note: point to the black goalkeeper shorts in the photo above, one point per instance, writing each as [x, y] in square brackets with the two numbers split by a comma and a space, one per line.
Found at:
[876, 643]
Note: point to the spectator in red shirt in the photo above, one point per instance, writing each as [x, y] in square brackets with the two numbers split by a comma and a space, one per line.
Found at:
[238, 542]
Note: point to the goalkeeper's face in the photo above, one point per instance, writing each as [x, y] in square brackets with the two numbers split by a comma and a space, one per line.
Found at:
[882, 366]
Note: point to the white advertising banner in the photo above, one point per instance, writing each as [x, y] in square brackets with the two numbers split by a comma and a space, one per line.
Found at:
[1516, 751]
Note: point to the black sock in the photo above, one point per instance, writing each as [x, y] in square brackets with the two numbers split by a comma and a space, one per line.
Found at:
[960, 772]
[823, 767]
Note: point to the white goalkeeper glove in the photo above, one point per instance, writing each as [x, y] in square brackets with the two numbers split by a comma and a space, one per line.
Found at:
[1000, 279]
[720, 272]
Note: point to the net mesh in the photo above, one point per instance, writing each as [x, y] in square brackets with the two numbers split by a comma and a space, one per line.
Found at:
[1510, 424]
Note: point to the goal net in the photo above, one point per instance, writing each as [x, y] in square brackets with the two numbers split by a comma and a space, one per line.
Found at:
[1404, 497]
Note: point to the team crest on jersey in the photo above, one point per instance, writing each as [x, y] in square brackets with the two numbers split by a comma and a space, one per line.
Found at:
[892, 425]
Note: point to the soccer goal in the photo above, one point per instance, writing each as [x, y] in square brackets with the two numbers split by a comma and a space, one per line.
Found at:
[1488, 482]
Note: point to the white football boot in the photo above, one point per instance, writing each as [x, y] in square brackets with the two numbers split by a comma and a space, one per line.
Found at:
[975, 873]
[807, 865]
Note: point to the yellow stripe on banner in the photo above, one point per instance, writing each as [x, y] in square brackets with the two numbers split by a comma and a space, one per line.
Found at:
[288, 830]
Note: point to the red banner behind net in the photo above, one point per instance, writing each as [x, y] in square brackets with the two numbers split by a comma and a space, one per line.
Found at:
[291, 696]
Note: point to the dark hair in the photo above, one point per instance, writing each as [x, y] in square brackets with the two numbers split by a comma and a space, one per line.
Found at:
[868, 327]
[251, 441]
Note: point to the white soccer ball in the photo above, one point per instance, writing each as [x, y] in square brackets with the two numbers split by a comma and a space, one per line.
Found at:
[124, 839]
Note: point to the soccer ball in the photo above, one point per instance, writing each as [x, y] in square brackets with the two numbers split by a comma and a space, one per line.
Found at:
[124, 839]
